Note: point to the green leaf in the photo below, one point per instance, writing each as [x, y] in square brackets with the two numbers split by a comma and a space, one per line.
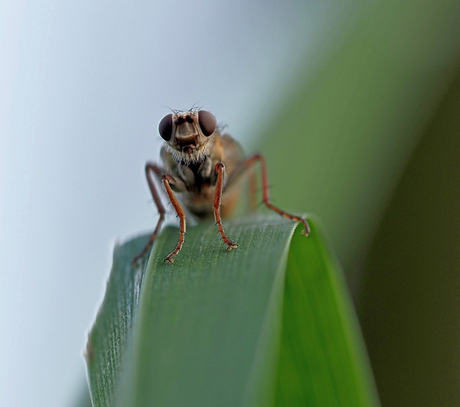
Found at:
[267, 324]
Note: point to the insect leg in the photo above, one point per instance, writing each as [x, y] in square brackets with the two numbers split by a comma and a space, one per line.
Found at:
[167, 180]
[252, 190]
[248, 163]
[220, 169]
[151, 168]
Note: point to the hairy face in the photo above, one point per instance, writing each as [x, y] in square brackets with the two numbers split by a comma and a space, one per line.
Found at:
[188, 135]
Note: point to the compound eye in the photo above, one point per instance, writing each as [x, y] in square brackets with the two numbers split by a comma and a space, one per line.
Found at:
[165, 127]
[208, 122]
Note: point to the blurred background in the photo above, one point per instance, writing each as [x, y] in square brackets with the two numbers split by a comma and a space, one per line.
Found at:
[355, 104]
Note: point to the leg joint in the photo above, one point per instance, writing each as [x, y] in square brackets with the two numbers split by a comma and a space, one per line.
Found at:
[169, 178]
[219, 167]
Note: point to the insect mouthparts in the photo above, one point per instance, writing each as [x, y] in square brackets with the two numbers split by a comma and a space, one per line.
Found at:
[189, 149]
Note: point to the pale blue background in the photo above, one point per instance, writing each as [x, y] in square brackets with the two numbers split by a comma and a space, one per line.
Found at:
[83, 86]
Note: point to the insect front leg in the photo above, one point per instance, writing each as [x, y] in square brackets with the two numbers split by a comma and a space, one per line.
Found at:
[169, 180]
[220, 170]
[151, 169]
[248, 163]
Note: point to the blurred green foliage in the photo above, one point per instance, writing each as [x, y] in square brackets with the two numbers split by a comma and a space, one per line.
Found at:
[340, 145]
[409, 299]
[342, 137]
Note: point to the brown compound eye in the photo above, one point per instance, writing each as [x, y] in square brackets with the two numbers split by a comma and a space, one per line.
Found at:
[208, 122]
[165, 127]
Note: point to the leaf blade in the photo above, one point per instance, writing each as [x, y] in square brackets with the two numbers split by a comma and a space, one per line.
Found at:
[322, 358]
[207, 330]
[224, 345]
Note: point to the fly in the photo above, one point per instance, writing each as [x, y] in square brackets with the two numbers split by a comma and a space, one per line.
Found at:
[203, 166]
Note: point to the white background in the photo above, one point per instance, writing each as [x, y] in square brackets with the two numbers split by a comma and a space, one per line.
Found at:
[83, 87]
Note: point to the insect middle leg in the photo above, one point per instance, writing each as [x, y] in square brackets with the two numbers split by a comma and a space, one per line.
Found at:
[151, 169]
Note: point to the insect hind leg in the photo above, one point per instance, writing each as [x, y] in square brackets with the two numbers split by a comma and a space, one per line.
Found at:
[248, 164]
